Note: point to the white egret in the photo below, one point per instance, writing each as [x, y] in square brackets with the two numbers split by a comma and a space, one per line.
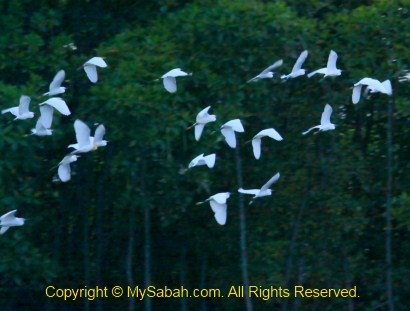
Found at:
[256, 140]
[21, 112]
[228, 131]
[219, 206]
[40, 129]
[202, 119]
[64, 168]
[96, 140]
[325, 124]
[268, 72]
[82, 134]
[208, 160]
[55, 85]
[297, 68]
[90, 68]
[372, 85]
[59, 104]
[262, 192]
[10, 220]
[169, 80]
[330, 70]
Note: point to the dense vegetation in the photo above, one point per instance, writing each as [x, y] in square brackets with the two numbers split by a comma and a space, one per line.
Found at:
[129, 214]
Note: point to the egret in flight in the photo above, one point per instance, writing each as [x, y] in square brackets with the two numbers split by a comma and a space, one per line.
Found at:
[325, 124]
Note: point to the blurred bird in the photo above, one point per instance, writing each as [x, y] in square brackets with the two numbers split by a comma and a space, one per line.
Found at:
[64, 169]
[330, 70]
[55, 85]
[84, 142]
[297, 68]
[268, 72]
[96, 140]
[90, 68]
[256, 141]
[262, 192]
[21, 112]
[169, 80]
[10, 220]
[372, 85]
[219, 206]
[325, 124]
[208, 160]
[57, 103]
[202, 119]
[228, 131]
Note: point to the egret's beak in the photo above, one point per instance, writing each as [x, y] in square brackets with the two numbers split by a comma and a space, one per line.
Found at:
[200, 203]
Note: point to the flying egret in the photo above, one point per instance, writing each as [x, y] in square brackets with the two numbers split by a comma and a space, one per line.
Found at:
[59, 104]
[297, 68]
[90, 68]
[256, 140]
[262, 192]
[202, 119]
[96, 140]
[208, 160]
[82, 134]
[268, 72]
[41, 129]
[330, 70]
[64, 169]
[55, 85]
[10, 220]
[169, 80]
[372, 85]
[228, 131]
[21, 112]
[325, 124]
[218, 205]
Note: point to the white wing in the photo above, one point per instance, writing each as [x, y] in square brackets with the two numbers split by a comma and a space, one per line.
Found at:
[229, 135]
[40, 126]
[64, 172]
[356, 93]
[256, 145]
[272, 133]
[170, 84]
[195, 160]
[14, 111]
[326, 115]
[331, 61]
[270, 182]
[96, 61]
[321, 70]
[273, 66]
[24, 104]
[299, 63]
[210, 160]
[46, 117]
[91, 72]
[4, 229]
[220, 197]
[202, 114]
[236, 125]
[177, 72]
[58, 80]
[250, 191]
[59, 104]
[312, 128]
[219, 211]
[82, 133]
[99, 134]
[387, 86]
[10, 216]
[198, 130]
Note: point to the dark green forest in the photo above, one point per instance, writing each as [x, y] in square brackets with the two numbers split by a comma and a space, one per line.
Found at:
[339, 216]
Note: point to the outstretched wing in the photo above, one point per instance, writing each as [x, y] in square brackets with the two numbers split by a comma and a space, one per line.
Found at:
[91, 72]
[299, 63]
[256, 145]
[326, 115]
[64, 172]
[46, 117]
[82, 133]
[250, 191]
[273, 66]
[198, 130]
[170, 84]
[219, 211]
[210, 160]
[99, 134]
[229, 135]
[331, 61]
[321, 70]
[387, 86]
[24, 104]
[58, 80]
[59, 104]
[8, 216]
[270, 182]
[356, 93]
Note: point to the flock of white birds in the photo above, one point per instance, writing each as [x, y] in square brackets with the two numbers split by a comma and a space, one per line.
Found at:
[218, 202]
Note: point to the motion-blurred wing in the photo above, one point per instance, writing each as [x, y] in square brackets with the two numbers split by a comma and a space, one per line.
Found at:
[256, 145]
[250, 191]
[64, 172]
[46, 117]
[273, 66]
[24, 104]
[219, 211]
[198, 130]
[321, 70]
[58, 80]
[270, 182]
[59, 104]
[82, 133]
[91, 72]
[210, 160]
[299, 63]
[170, 84]
[229, 135]
[99, 134]
[356, 93]
[326, 115]
[331, 61]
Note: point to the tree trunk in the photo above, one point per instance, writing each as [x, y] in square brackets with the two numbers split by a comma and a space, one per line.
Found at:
[242, 231]
[389, 267]
[147, 237]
